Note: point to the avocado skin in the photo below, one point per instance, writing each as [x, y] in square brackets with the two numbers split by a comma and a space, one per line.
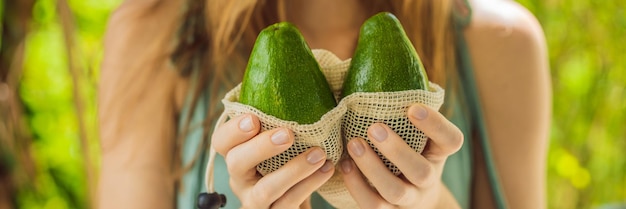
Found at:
[384, 59]
[283, 79]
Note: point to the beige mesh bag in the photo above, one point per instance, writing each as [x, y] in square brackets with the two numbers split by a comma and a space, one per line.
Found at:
[366, 108]
[325, 133]
[351, 118]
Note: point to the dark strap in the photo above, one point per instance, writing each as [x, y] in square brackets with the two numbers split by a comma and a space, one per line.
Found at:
[470, 89]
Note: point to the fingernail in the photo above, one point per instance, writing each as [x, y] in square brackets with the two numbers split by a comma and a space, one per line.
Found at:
[326, 167]
[379, 133]
[315, 156]
[346, 166]
[245, 124]
[356, 147]
[280, 137]
[420, 112]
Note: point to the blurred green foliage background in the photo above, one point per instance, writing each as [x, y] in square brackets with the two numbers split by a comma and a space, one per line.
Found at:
[587, 163]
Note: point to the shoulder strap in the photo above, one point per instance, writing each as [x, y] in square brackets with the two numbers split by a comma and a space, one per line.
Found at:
[192, 181]
[461, 13]
[469, 87]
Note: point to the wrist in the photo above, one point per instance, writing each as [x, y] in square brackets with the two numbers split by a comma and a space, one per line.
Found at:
[446, 199]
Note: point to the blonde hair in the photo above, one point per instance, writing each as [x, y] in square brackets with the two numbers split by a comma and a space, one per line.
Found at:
[214, 46]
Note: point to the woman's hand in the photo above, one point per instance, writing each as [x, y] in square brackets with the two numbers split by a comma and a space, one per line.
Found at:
[243, 147]
[420, 184]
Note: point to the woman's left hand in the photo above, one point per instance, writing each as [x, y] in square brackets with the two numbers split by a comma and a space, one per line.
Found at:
[420, 183]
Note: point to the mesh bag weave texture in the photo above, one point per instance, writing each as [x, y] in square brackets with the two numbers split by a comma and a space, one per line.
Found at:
[325, 133]
[351, 118]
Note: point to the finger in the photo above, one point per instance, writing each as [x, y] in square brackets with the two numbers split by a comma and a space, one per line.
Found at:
[388, 185]
[242, 160]
[446, 138]
[273, 185]
[360, 190]
[234, 132]
[417, 169]
[303, 190]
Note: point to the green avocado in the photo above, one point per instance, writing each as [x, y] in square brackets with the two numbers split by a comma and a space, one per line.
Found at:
[384, 59]
[283, 79]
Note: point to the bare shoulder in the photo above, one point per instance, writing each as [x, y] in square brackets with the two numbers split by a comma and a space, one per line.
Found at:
[140, 24]
[506, 43]
[147, 8]
[504, 20]
[139, 37]
[504, 28]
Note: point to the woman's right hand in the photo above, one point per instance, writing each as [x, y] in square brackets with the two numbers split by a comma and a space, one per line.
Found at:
[243, 146]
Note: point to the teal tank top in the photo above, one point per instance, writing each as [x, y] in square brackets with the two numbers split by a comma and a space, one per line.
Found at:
[464, 111]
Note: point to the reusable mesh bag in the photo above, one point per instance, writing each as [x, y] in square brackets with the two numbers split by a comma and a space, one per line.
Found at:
[390, 108]
[352, 116]
[334, 69]
[325, 133]
[366, 108]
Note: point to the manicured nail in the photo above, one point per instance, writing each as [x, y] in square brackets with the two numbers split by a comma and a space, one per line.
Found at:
[379, 132]
[356, 147]
[326, 167]
[245, 124]
[346, 166]
[420, 112]
[280, 137]
[315, 156]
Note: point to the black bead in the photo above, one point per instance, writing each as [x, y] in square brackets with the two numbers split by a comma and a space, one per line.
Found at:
[211, 201]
